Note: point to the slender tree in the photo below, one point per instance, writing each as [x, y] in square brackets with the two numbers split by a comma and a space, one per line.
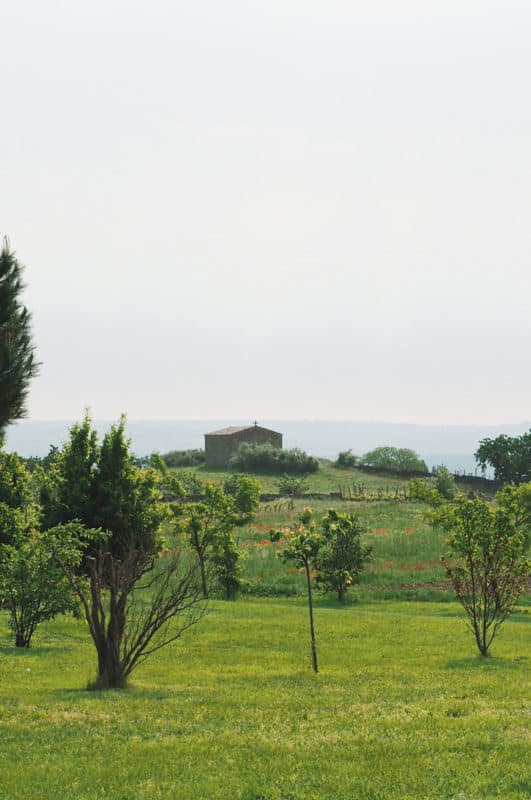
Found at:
[209, 524]
[302, 545]
[18, 364]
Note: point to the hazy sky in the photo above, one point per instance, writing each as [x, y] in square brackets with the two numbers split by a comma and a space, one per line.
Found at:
[285, 209]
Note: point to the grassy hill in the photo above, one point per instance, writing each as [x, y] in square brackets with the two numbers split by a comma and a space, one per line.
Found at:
[406, 551]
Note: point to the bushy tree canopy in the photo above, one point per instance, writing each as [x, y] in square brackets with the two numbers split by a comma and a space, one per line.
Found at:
[274, 460]
[395, 459]
[486, 559]
[509, 456]
[106, 539]
[18, 364]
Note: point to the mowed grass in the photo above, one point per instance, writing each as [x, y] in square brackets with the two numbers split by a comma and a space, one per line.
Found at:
[402, 708]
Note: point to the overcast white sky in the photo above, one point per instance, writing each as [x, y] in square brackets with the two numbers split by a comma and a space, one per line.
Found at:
[285, 209]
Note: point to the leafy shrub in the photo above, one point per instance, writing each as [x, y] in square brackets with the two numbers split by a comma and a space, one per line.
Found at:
[395, 459]
[291, 486]
[192, 484]
[183, 458]
[274, 460]
[346, 460]
[342, 556]
[445, 483]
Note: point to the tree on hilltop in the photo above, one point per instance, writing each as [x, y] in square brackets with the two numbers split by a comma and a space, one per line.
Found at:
[509, 456]
[395, 459]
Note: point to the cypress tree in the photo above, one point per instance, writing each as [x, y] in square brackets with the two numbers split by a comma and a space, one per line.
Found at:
[17, 353]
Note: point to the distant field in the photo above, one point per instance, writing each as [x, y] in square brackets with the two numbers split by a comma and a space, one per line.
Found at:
[406, 551]
[327, 479]
[402, 709]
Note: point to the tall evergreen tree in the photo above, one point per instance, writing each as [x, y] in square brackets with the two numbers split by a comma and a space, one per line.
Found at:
[17, 353]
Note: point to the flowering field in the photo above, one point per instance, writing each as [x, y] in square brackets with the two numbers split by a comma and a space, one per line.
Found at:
[405, 560]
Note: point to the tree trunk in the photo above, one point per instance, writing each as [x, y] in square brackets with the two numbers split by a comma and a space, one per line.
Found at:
[110, 675]
[204, 585]
[21, 640]
[310, 608]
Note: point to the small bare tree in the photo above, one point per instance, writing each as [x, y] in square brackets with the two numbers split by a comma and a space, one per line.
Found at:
[134, 604]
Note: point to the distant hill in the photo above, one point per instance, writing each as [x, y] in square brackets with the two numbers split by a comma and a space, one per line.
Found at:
[452, 445]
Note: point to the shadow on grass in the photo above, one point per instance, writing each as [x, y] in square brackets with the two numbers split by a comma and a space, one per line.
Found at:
[489, 663]
[133, 690]
[34, 650]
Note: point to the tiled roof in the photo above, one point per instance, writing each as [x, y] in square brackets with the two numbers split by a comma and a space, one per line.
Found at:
[230, 430]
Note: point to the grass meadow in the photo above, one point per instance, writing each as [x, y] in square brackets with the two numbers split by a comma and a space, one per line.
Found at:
[401, 708]
[405, 558]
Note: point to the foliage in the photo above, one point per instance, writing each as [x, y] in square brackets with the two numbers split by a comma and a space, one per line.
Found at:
[425, 492]
[208, 526]
[171, 484]
[509, 456]
[192, 484]
[18, 364]
[291, 486]
[342, 556]
[486, 559]
[183, 458]
[273, 460]
[445, 483]
[107, 517]
[302, 545]
[32, 587]
[245, 492]
[100, 487]
[346, 460]
[18, 511]
[226, 560]
[134, 603]
[395, 459]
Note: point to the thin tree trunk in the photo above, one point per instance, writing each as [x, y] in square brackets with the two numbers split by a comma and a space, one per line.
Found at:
[310, 608]
[204, 585]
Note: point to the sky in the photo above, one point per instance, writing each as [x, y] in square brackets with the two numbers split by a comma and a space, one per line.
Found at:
[282, 210]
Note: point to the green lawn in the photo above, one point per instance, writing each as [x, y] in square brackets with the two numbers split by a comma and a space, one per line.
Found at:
[402, 708]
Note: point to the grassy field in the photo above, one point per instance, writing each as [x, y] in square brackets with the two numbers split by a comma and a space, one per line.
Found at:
[327, 479]
[406, 551]
[402, 708]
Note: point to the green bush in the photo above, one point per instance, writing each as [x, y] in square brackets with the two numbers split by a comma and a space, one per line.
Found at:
[445, 483]
[346, 460]
[183, 458]
[273, 460]
[394, 459]
[291, 486]
[192, 484]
